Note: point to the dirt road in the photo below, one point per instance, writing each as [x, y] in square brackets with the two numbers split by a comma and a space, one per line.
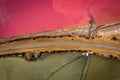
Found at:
[61, 43]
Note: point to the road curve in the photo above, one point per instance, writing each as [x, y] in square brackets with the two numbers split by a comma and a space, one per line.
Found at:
[60, 43]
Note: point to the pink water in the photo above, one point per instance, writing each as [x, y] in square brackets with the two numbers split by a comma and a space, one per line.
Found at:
[21, 17]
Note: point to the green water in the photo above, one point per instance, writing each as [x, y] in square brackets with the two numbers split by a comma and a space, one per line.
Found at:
[103, 69]
[59, 67]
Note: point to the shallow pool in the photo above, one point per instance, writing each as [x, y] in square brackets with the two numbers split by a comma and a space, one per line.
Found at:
[60, 67]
